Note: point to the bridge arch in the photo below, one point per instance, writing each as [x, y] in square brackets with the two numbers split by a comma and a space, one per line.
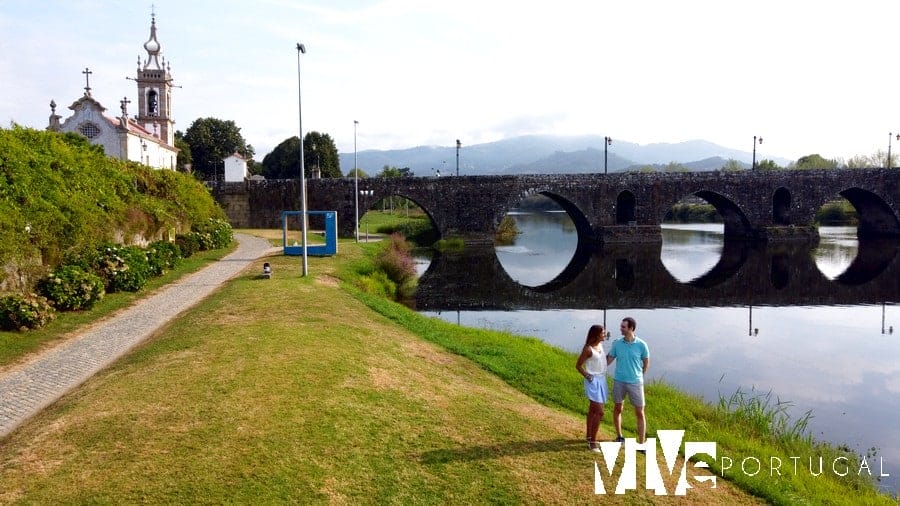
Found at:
[737, 225]
[736, 222]
[876, 218]
[625, 208]
[380, 195]
[582, 224]
[781, 207]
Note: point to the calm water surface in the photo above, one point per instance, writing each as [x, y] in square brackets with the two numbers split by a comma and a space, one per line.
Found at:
[840, 361]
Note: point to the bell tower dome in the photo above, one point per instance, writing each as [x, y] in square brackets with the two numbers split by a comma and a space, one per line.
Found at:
[154, 83]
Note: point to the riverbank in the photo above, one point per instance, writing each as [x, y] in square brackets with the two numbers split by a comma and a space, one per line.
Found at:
[292, 390]
[759, 449]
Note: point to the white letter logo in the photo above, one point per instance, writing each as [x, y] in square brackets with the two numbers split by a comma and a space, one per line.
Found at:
[670, 443]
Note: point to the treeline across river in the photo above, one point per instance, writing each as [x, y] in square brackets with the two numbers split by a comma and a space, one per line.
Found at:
[836, 212]
[697, 210]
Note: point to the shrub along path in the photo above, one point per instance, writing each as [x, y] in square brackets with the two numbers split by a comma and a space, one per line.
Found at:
[30, 387]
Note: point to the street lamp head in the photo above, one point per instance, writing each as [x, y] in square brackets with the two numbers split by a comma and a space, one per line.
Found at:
[301, 48]
[760, 140]
[459, 144]
[609, 141]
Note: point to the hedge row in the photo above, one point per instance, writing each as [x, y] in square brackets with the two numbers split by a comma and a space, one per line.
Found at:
[85, 278]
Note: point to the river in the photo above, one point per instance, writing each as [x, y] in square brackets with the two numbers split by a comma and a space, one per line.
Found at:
[814, 327]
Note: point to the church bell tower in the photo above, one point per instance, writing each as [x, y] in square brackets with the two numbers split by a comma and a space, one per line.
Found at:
[154, 83]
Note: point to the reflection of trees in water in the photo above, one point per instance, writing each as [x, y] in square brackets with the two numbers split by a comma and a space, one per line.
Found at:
[688, 236]
[535, 222]
[834, 254]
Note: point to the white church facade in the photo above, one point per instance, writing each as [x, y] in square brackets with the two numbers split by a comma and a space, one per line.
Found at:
[148, 137]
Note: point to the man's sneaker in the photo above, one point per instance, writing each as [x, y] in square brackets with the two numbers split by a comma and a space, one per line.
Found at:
[594, 446]
[619, 439]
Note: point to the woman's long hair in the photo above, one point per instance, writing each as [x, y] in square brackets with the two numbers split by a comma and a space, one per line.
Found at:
[595, 334]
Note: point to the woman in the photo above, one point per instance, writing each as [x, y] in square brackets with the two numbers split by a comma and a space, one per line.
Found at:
[592, 365]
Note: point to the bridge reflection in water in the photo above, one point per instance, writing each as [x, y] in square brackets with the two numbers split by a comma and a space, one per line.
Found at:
[633, 276]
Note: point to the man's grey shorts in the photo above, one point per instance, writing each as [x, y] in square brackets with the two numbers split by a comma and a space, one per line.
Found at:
[635, 393]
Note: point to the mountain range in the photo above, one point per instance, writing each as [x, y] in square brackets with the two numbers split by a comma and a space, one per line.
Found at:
[548, 154]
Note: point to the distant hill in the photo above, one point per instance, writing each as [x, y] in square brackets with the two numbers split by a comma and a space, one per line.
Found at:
[707, 164]
[547, 154]
[573, 162]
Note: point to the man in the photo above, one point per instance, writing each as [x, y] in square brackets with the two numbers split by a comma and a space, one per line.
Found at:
[632, 360]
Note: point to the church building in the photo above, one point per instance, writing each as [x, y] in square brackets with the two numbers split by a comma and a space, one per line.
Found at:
[148, 137]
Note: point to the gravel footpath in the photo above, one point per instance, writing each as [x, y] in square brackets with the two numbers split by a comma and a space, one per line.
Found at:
[30, 387]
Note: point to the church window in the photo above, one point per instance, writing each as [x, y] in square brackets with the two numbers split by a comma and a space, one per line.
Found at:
[152, 103]
[89, 130]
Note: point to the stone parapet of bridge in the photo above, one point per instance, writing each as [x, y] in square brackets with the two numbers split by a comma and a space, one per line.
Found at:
[614, 208]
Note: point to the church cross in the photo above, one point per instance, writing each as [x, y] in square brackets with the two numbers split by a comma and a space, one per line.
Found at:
[125, 103]
[87, 81]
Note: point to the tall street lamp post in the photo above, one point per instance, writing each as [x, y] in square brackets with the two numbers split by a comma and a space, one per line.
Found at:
[890, 136]
[753, 165]
[301, 49]
[607, 141]
[458, 145]
[355, 184]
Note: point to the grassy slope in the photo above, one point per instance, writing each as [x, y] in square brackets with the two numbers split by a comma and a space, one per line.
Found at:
[290, 389]
[545, 373]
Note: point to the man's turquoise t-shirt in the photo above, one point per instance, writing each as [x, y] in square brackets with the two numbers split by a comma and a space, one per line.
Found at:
[629, 359]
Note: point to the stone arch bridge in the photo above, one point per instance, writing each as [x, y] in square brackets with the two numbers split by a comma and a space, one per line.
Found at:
[613, 208]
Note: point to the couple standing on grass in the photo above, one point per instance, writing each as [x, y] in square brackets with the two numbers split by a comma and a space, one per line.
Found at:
[633, 359]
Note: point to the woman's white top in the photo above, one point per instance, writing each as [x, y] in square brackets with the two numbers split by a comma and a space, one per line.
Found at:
[596, 364]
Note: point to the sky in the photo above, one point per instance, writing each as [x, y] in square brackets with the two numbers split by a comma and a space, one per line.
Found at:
[807, 77]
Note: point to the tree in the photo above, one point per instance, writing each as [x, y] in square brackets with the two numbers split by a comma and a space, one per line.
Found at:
[359, 173]
[675, 167]
[732, 165]
[813, 161]
[283, 162]
[767, 165]
[211, 141]
[389, 171]
[319, 151]
[254, 167]
[875, 160]
[184, 151]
